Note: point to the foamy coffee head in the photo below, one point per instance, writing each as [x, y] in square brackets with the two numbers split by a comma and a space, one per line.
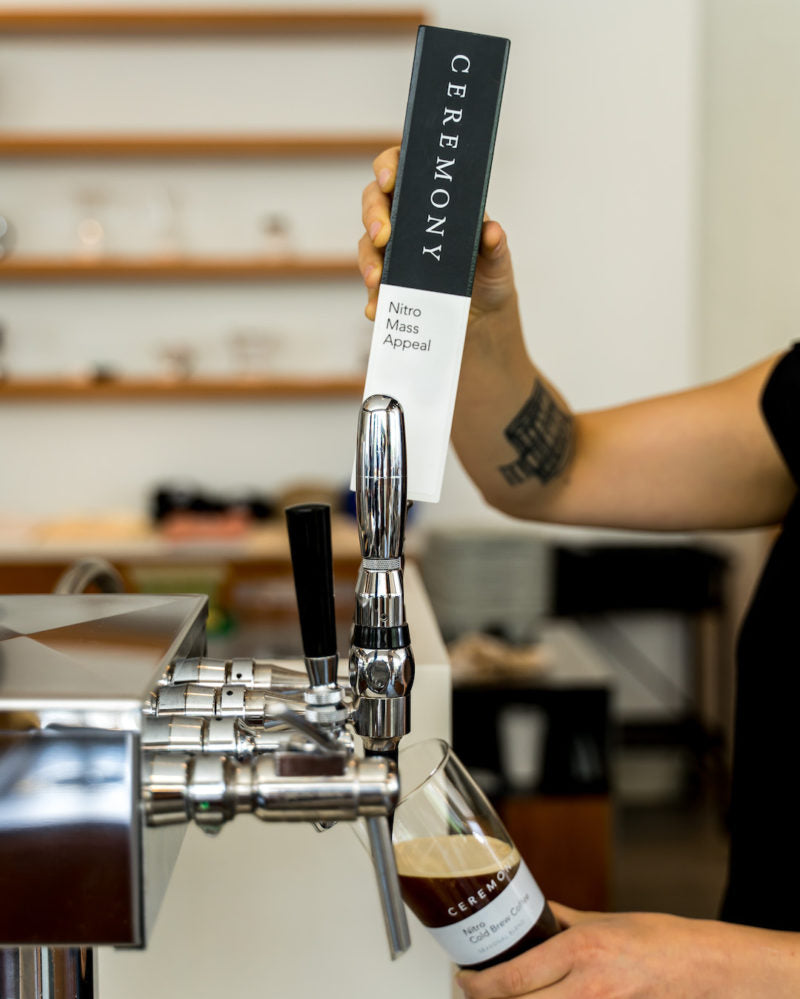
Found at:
[453, 856]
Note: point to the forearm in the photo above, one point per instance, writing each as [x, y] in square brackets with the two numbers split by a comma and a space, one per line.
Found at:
[693, 460]
[761, 963]
[740, 962]
[512, 430]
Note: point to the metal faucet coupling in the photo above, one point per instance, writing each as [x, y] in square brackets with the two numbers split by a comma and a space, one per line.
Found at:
[381, 660]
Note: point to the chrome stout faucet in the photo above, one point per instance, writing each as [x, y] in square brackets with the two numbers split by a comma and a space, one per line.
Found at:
[381, 660]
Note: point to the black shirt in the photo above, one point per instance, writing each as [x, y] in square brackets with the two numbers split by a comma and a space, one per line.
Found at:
[764, 872]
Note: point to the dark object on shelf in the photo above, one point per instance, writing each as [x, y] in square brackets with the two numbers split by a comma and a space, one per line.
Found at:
[7, 234]
[102, 374]
[168, 500]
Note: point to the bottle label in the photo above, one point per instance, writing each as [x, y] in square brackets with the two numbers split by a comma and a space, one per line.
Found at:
[497, 926]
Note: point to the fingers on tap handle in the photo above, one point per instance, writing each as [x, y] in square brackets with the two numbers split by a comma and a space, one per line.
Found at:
[309, 527]
[375, 215]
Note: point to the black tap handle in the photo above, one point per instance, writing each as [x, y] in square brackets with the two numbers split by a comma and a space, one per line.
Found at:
[309, 526]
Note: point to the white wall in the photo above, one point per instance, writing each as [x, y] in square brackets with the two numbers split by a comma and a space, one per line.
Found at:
[594, 178]
[751, 196]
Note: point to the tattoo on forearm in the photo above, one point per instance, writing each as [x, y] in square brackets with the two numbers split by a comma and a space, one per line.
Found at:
[541, 434]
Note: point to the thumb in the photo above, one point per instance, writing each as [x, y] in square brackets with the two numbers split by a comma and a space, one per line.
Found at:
[494, 245]
[494, 275]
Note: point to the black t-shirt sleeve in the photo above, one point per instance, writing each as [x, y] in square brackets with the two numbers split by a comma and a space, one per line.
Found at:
[780, 403]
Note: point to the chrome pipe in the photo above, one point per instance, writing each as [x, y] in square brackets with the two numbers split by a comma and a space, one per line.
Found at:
[90, 572]
[394, 913]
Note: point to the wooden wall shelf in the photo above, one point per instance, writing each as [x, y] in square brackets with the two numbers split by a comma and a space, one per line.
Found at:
[194, 21]
[180, 24]
[157, 389]
[17, 269]
[20, 144]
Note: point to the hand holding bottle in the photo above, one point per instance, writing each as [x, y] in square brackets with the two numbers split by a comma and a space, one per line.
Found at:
[645, 956]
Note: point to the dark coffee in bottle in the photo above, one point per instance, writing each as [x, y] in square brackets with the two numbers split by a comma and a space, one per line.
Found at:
[475, 895]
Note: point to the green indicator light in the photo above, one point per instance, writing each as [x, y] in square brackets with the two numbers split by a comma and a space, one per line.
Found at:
[204, 806]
